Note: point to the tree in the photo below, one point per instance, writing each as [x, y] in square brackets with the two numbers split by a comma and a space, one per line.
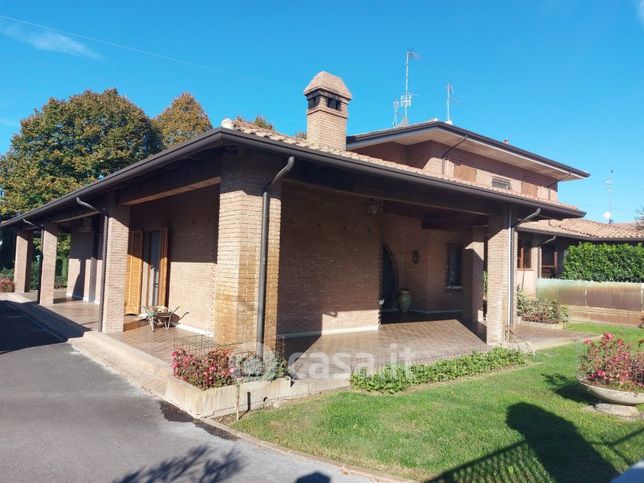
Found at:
[183, 119]
[70, 143]
[640, 218]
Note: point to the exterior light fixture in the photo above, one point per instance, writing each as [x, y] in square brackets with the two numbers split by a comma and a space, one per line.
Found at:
[373, 207]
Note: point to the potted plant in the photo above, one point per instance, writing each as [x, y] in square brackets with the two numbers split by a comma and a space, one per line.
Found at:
[611, 371]
[404, 300]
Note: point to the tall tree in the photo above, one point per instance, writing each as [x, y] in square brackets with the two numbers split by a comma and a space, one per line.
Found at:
[183, 119]
[70, 143]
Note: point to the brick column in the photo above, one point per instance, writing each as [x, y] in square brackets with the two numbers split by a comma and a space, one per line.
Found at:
[473, 276]
[49, 241]
[240, 210]
[22, 264]
[499, 290]
[117, 244]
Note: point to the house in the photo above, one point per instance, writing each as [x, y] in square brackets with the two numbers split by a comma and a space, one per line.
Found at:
[257, 234]
[542, 245]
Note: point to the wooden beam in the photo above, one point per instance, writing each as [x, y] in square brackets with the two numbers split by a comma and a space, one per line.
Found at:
[171, 182]
[456, 221]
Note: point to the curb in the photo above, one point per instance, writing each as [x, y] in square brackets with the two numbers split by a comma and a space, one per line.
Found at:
[344, 468]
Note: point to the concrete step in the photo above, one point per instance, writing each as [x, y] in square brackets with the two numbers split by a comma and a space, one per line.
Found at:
[127, 364]
[137, 357]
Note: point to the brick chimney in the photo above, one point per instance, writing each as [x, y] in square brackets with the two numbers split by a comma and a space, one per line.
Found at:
[326, 116]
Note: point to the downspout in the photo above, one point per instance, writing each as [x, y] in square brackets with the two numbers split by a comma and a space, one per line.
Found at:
[263, 254]
[105, 214]
[511, 229]
[444, 156]
[41, 228]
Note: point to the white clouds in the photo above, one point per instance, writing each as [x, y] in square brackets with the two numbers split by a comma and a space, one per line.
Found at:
[6, 122]
[51, 41]
[640, 10]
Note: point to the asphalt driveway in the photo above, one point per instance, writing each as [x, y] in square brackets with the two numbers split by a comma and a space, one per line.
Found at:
[65, 418]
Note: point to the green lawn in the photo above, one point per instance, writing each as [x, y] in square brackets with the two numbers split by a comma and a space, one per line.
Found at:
[527, 424]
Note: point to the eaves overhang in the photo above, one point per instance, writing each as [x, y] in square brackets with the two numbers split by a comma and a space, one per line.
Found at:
[451, 135]
[220, 136]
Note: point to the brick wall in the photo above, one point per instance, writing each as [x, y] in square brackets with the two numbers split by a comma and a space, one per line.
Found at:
[329, 263]
[464, 165]
[242, 180]
[473, 266]
[83, 272]
[327, 127]
[426, 279]
[191, 219]
[498, 278]
[117, 242]
[23, 260]
[49, 242]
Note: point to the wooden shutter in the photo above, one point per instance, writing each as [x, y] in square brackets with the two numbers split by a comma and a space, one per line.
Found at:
[134, 273]
[163, 267]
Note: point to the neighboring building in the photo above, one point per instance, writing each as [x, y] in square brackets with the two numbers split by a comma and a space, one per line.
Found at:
[425, 207]
[543, 244]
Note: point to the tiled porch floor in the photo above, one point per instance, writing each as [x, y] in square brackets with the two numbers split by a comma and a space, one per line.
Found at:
[419, 341]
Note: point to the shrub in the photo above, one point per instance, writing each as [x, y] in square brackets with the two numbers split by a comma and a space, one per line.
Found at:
[605, 263]
[540, 310]
[396, 378]
[6, 285]
[611, 363]
[222, 366]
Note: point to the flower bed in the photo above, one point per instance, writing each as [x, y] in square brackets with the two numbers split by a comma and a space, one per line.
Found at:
[613, 364]
[540, 310]
[397, 378]
[224, 366]
[6, 285]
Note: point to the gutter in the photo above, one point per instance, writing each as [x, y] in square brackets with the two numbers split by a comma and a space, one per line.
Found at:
[511, 265]
[168, 156]
[218, 136]
[263, 254]
[391, 173]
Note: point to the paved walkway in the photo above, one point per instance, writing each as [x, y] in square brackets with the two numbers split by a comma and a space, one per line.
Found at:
[66, 418]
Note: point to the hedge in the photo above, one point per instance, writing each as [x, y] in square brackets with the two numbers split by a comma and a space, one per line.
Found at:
[605, 263]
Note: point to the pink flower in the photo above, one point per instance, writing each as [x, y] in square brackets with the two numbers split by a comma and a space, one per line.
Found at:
[600, 373]
[588, 341]
[608, 336]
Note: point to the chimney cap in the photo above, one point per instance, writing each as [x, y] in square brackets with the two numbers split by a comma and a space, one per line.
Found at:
[330, 83]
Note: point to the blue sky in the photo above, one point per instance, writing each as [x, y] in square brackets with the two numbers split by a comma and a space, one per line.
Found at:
[562, 78]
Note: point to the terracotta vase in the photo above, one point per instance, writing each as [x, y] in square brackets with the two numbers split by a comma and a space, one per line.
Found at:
[404, 300]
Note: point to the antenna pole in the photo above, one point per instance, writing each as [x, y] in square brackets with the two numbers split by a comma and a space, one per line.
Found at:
[449, 101]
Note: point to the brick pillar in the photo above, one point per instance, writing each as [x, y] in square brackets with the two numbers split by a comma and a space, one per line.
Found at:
[499, 290]
[473, 276]
[49, 241]
[240, 210]
[23, 259]
[117, 243]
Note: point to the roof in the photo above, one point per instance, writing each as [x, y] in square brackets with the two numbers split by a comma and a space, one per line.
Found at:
[580, 228]
[451, 135]
[328, 82]
[247, 134]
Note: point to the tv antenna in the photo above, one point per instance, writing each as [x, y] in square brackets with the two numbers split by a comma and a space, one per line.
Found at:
[609, 187]
[450, 91]
[406, 98]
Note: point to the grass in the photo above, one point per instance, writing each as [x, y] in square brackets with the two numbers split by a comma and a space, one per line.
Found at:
[529, 424]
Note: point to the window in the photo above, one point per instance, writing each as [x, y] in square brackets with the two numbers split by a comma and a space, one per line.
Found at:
[524, 252]
[454, 266]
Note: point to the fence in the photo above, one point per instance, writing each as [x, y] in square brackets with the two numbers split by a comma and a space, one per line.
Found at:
[596, 301]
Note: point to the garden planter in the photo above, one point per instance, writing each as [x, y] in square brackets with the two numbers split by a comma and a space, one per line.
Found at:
[614, 396]
[404, 300]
